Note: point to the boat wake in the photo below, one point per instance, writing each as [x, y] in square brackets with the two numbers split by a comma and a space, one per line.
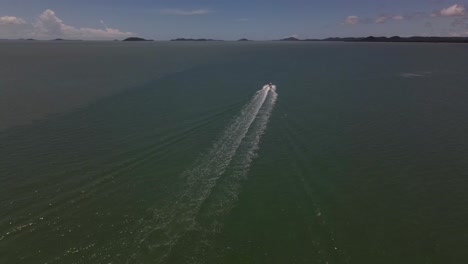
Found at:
[210, 189]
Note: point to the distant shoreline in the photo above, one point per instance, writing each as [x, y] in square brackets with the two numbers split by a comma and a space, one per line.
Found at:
[395, 39]
[371, 39]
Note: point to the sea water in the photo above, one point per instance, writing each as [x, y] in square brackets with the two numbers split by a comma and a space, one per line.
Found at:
[163, 152]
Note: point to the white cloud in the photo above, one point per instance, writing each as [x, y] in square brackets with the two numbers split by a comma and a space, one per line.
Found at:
[14, 27]
[175, 11]
[352, 20]
[384, 18]
[455, 10]
[458, 34]
[48, 26]
[381, 19]
[11, 20]
[292, 36]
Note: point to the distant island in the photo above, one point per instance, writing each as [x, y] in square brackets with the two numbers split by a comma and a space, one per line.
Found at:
[191, 39]
[60, 39]
[136, 39]
[390, 39]
[290, 39]
[244, 39]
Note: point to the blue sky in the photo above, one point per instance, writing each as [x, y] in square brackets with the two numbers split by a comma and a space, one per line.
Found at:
[260, 20]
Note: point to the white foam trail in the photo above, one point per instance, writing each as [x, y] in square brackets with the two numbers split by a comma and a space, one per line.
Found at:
[174, 222]
[250, 146]
[225, 194]
[229, 187]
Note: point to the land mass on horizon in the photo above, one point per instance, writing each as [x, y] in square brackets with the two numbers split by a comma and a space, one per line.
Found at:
[413, 39]
[193, 39]
[417, 39]
[393, 39]
[136, 39]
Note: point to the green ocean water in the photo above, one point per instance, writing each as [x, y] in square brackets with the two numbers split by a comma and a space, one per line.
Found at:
[166, 152]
